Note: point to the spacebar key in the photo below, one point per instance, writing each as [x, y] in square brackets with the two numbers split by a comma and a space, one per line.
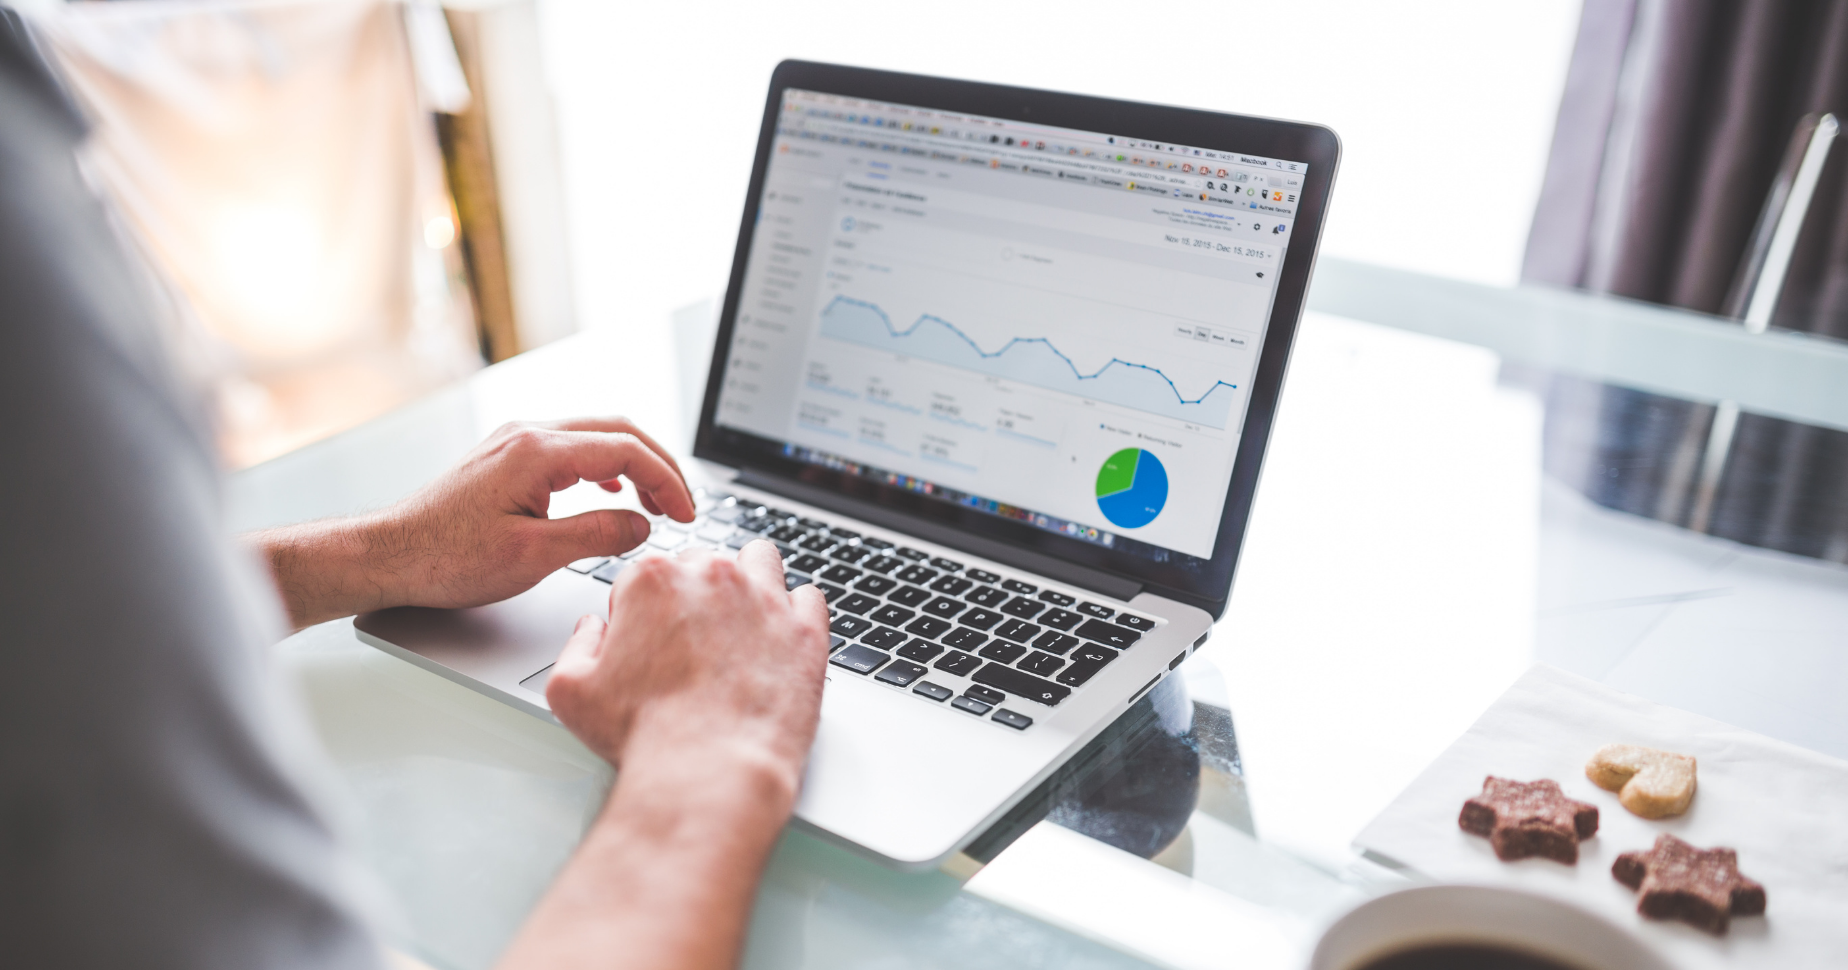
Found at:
[1021, 685]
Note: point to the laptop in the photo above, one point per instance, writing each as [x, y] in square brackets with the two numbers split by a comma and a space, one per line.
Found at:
[995, 370]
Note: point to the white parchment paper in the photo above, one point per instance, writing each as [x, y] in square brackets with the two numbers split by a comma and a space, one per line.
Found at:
[1784, 808]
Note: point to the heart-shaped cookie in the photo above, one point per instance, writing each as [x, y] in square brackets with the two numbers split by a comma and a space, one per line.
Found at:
[1649, 782]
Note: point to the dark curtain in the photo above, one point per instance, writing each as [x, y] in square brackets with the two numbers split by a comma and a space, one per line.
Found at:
[1675, 117]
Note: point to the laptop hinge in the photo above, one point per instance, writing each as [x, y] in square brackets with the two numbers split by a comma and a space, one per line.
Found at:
[1097, 581]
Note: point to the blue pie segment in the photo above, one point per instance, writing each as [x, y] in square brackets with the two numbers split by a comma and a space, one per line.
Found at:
[1132, 487]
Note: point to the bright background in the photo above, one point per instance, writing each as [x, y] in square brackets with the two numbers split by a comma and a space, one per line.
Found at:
[1445, 109]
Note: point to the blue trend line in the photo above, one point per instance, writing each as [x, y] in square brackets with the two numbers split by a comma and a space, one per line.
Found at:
[829, 389]
[881, 444]
[946, 461]
[958, 421]
[1026, 437]
[1181, 402]
[824, 429]
[908, 409]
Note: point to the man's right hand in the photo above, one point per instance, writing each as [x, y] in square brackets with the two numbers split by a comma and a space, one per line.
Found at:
[701, 655]
[704, 690]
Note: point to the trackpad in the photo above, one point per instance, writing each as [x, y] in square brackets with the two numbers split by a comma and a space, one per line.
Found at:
[506, 644]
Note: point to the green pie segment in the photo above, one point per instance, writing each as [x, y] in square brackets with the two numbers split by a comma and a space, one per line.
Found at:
[1132, 487]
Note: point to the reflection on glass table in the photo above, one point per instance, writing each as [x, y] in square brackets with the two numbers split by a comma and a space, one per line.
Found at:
[1408, 559]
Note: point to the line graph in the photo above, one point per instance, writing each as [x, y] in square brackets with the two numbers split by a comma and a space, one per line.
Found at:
[1028, 360]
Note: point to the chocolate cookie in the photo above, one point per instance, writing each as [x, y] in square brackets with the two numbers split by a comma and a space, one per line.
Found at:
[1529, 818]
[1700, 887]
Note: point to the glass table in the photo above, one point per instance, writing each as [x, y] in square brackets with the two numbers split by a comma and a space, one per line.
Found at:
[1408, 558]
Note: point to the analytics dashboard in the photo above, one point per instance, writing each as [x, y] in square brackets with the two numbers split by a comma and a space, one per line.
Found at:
[1054, 326]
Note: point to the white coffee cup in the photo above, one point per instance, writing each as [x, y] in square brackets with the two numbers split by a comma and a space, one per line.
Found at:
[1480, 915]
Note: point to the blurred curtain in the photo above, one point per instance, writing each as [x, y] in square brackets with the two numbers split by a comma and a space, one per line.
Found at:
[1675, 116]
[275, 162]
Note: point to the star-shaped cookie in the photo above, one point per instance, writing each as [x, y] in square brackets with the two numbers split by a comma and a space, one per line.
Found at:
[1700, 887]
[1529, 818]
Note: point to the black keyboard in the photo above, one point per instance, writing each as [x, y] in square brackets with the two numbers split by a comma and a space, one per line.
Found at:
[927, 625]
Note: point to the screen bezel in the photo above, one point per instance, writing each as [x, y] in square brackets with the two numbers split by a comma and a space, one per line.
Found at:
[1207, 587]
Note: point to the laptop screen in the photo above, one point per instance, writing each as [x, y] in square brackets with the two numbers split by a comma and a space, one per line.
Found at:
[1053, 326]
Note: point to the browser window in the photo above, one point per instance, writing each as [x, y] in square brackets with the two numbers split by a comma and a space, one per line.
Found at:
[1059, 327]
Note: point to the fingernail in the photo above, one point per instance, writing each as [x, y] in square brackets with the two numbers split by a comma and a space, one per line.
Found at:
[586, 618]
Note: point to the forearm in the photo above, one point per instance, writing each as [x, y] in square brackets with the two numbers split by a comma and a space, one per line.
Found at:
[666, 876]
[328, 569]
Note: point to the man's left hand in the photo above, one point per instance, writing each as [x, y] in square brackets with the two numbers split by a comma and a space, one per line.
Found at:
[481, 532]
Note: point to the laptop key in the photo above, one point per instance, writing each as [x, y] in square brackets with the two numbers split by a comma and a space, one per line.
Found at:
[882, 564]
[1054, 642]
[859, 659]
[1003, 651]
[840, 574]
[831, 593]
[793, 580]
[786, 533]
[875, 542]
[1135, 622]
[900, 673]
[1098, 610]
[741, 540]
[947, 565]
[914, 555]
[811, 524]
[963, 638]
[908, 596]
[850, 626]
[819, 543]
[842, 535]
[1057, 598]
[890, 615]
[850, 553]
[982, 575]
[1019, 631]
[951, 585]
[1061, 619]
[807, 564]
[944, 607]
[1024, 608]
[1043, 664]
[875, 585]
[586, 565]
[971, 705]
[856, 603]
[917, 574]
[1079, 672]
[920, 650]
[607, 572]
[957, 664]
[835, 641]
[1016, 586]
[1108, 634]
[928, 626]
[1021, 684]
[986, 596]
[986, 695]
[884, 638]
[1019, 722]
[981, 619]
[1092, 653]
[936, 692]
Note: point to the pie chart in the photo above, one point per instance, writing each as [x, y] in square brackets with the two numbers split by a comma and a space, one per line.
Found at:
[1131, 488]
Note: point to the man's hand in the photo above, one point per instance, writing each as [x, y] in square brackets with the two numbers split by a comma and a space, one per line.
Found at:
[480, 533]
[704, 690]
[700, 652]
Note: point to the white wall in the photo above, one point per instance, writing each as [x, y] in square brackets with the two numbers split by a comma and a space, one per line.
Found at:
[1445, 109]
